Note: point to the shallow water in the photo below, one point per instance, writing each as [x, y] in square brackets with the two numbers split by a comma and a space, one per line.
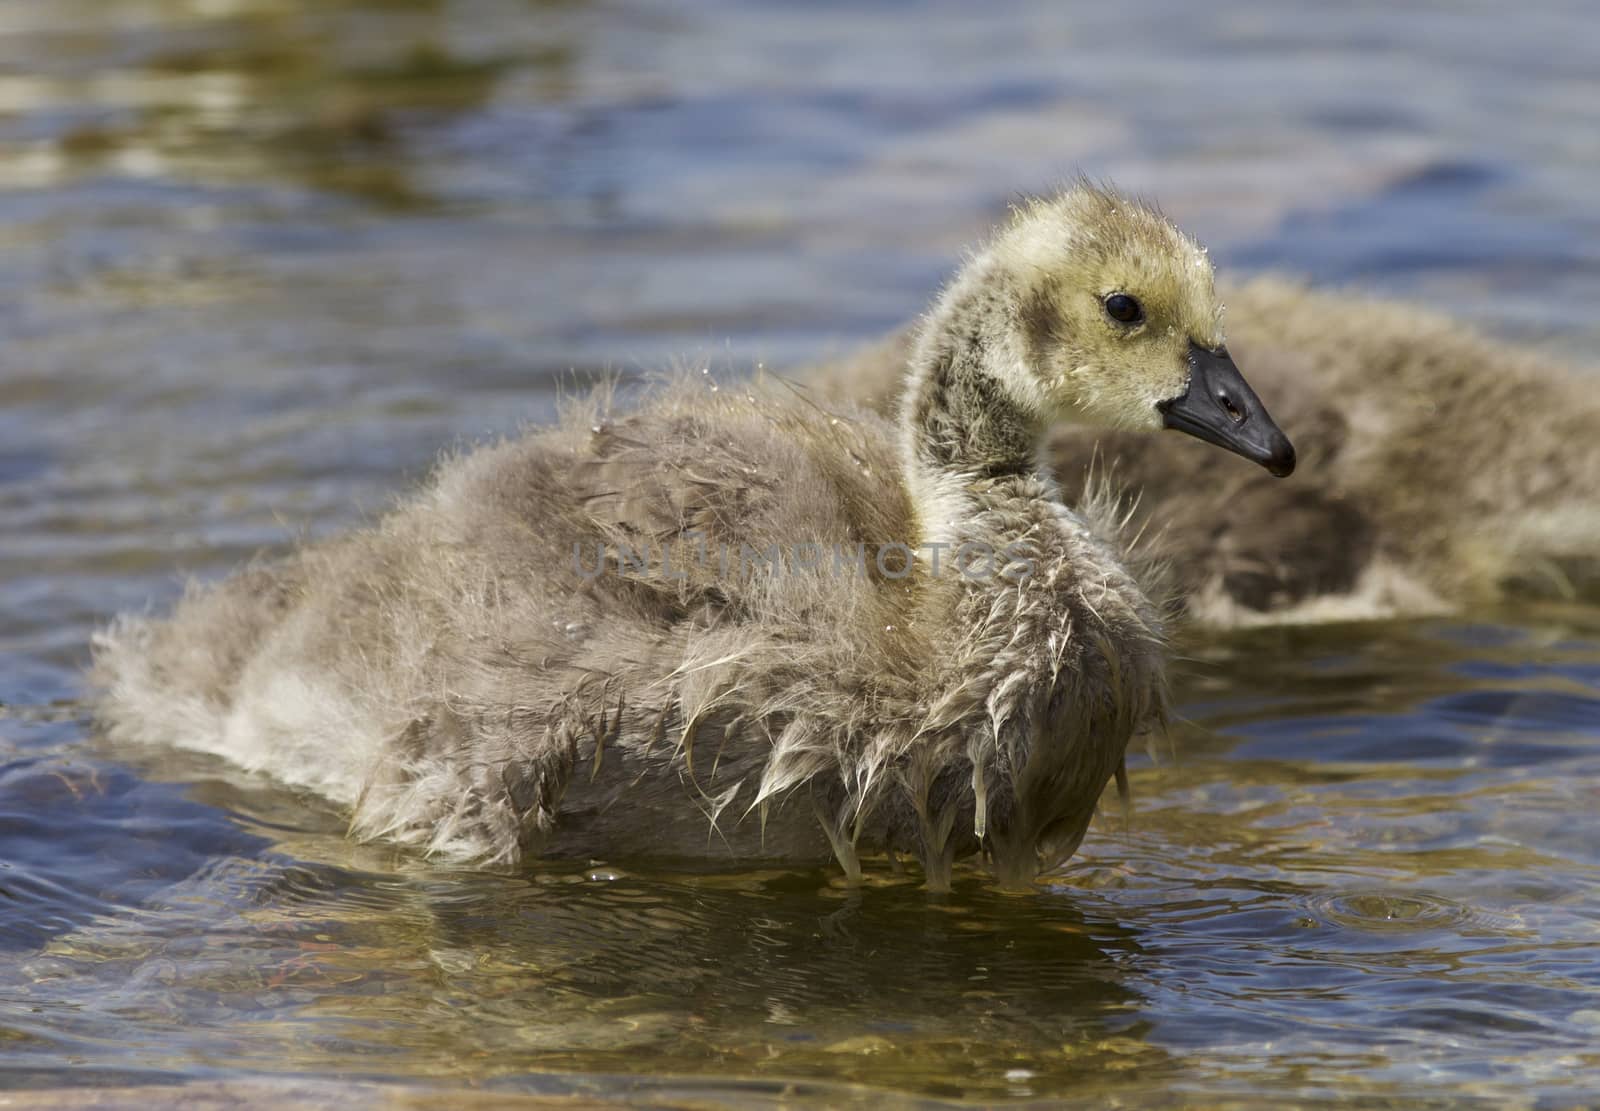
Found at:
[260, 260]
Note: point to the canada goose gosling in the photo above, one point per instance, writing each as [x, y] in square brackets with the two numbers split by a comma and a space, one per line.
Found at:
[460, 685]
[1090, 308]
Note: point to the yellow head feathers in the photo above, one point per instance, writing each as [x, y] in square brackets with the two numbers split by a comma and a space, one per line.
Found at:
[1110, 297]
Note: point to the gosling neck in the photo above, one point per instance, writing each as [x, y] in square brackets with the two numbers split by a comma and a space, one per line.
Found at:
[966, 417]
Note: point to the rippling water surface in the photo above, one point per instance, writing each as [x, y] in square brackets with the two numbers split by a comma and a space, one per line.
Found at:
[260, 260]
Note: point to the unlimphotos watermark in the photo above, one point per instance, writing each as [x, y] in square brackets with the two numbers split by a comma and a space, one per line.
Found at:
[973, 560]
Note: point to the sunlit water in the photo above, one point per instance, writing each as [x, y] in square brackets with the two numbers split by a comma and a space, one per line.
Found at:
[261, 260]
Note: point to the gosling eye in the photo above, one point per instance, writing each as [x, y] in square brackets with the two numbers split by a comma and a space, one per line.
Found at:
[1124, 308]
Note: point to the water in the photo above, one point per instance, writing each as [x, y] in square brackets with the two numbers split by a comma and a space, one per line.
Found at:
[260, 260]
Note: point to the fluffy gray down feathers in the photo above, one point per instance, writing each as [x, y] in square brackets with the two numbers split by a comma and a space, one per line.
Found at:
[463, 680]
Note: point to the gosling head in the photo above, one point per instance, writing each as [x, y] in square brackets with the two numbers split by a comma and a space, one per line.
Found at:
[1120, 325]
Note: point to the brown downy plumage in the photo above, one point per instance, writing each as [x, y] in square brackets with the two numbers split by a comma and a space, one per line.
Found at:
[1441, 468]
[468, 677]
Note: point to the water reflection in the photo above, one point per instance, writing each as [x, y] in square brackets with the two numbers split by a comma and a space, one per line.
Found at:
[276, 964]
[326, 96]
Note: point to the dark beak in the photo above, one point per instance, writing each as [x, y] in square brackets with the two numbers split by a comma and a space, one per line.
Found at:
[1220, 408]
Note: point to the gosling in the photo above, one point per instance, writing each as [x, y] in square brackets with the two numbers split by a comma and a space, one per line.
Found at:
[736, 622]
[1450, 470]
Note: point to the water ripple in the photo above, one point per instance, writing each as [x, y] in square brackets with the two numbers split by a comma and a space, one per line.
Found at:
[1389, 911]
